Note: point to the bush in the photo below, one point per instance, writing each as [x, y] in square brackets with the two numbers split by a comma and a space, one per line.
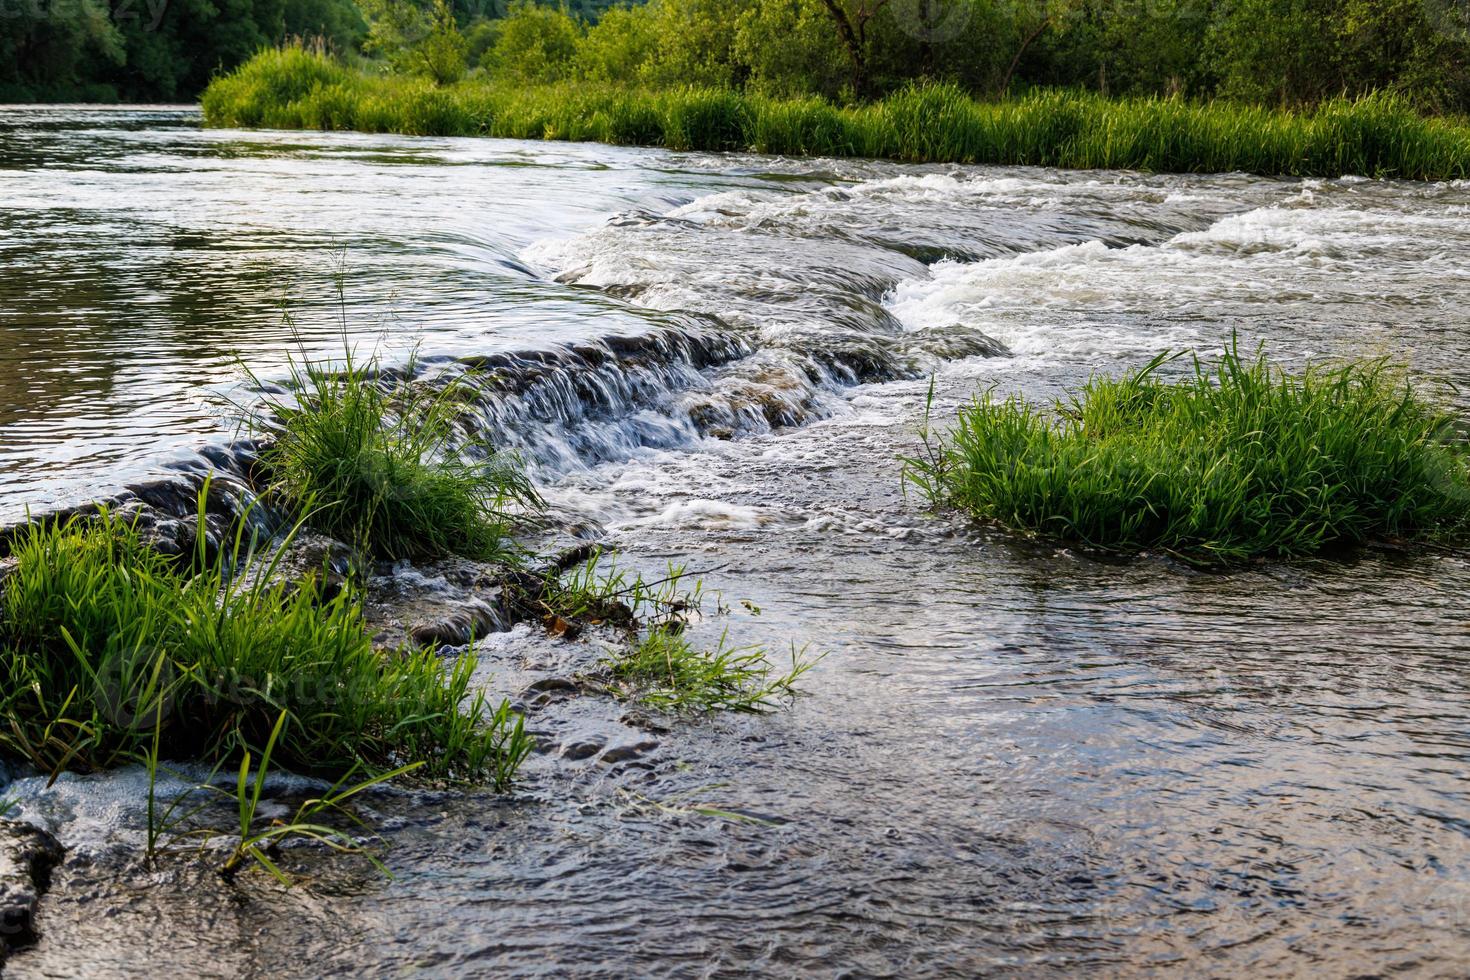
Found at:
[617, 47]
[277, 79]
[1236, 461]
[533, 43]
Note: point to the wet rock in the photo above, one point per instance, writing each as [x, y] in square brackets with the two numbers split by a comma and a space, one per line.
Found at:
[552, 685]
[27, 855]
[954, 343]
[578, 554]
[547, 690]
[462, 624]
[584, 749]
[309, 556]
[627, 752]
[450, 603]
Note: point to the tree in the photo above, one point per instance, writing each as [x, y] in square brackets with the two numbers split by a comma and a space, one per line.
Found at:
[1274, 50]
[616, 48]
[442, 53]
[47, 50]
[851, 18]
[790, 48]
[534, 43]
[1034, 19]
[417, 38]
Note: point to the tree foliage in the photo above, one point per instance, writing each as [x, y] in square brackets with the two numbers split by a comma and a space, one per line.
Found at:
[150, 49]
[1276, 52]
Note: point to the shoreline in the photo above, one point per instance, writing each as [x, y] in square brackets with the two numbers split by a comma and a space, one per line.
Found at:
[1375, 136]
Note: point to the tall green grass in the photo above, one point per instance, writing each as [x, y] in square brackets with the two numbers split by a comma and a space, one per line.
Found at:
[1377, 136]
[1238, 460]
[257, 833]
[102, 641]
[374, 456]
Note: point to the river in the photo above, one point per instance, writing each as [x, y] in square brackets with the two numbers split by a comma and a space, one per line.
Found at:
[1013, 758]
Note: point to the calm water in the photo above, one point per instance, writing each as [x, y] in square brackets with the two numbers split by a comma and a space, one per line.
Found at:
[1013, 759]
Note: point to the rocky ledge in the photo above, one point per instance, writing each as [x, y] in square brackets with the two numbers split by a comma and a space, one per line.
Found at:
[27, 855]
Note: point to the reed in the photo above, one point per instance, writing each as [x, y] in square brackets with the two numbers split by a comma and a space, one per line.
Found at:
[1375, 136]
[257, 836]
[1239, 459]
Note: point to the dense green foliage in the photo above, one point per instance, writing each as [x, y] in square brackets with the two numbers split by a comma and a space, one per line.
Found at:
[103, 640]
[1376, 136]
[1267, 51]
[1272, 52]
[1235, 461]
[373, 455]
[150, 50]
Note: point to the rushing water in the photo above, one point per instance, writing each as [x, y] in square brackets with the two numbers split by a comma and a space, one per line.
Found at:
[1013, 758]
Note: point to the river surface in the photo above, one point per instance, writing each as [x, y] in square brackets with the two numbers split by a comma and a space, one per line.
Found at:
[1013, 758]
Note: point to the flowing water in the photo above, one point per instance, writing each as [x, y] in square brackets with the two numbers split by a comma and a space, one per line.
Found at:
[1013, 758]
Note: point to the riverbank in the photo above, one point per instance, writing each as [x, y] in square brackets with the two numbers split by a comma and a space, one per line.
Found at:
[1376, 136]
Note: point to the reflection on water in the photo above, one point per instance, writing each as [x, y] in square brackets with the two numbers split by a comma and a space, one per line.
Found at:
[142, 260]
[1013, 758]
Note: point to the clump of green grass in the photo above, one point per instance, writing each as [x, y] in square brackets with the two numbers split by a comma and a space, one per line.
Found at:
[1239, 459]
[1375, 136]
[598, 591]
[664, 670]
[657, 664]
[109, 646]
[376, 458]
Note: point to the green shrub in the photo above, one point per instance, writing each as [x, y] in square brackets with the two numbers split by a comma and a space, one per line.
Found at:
[616, 48]
[533, 43]
[1238, 460]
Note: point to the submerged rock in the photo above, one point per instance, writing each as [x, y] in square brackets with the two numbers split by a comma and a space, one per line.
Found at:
[447, 603]
[583, 749]
[627, 752]
[465, 623]
[27, 855]
[309, 555]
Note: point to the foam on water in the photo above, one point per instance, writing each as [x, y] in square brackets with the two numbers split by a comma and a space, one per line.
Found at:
[1271, 262]
[106, 813]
